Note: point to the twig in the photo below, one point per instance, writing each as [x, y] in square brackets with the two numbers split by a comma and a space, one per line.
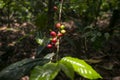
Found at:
[60, 12]
[58, 42]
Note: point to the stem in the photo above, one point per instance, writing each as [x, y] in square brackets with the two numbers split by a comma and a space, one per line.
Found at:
[58, 45]
[60, 11]
[58, 48]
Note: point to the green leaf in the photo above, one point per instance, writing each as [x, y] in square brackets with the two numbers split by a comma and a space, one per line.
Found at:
[46, 72]
[42, 41]
[17, 70]
[67, 69]
[82, 68]
[49, 55]
[1, 4]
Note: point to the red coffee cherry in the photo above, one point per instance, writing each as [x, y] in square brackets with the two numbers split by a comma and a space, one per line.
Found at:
[59, 34]
[55, 8]
[49, 46]
[53, 33]
[57, 25]
[54, 40]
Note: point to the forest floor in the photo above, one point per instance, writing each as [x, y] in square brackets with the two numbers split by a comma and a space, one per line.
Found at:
[18, 42]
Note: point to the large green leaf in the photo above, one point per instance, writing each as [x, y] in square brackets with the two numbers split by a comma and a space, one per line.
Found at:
[67, 69]
[82, 68]
[46, 72]
[17, 70]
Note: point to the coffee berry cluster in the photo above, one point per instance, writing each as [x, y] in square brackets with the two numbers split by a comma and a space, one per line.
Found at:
[55, 36]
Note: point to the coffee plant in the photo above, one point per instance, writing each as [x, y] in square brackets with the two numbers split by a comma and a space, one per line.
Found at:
[68, 65]
[49, 18]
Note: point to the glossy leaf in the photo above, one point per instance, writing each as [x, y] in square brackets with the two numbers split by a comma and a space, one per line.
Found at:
[67, 69]
[17, 70]
[46, 72]
[82, 68]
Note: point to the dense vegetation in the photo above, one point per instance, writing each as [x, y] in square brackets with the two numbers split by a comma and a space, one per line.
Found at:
[92, 33]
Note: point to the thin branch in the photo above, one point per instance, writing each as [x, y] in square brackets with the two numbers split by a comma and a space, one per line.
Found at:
[60, 11]
[58, 42]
